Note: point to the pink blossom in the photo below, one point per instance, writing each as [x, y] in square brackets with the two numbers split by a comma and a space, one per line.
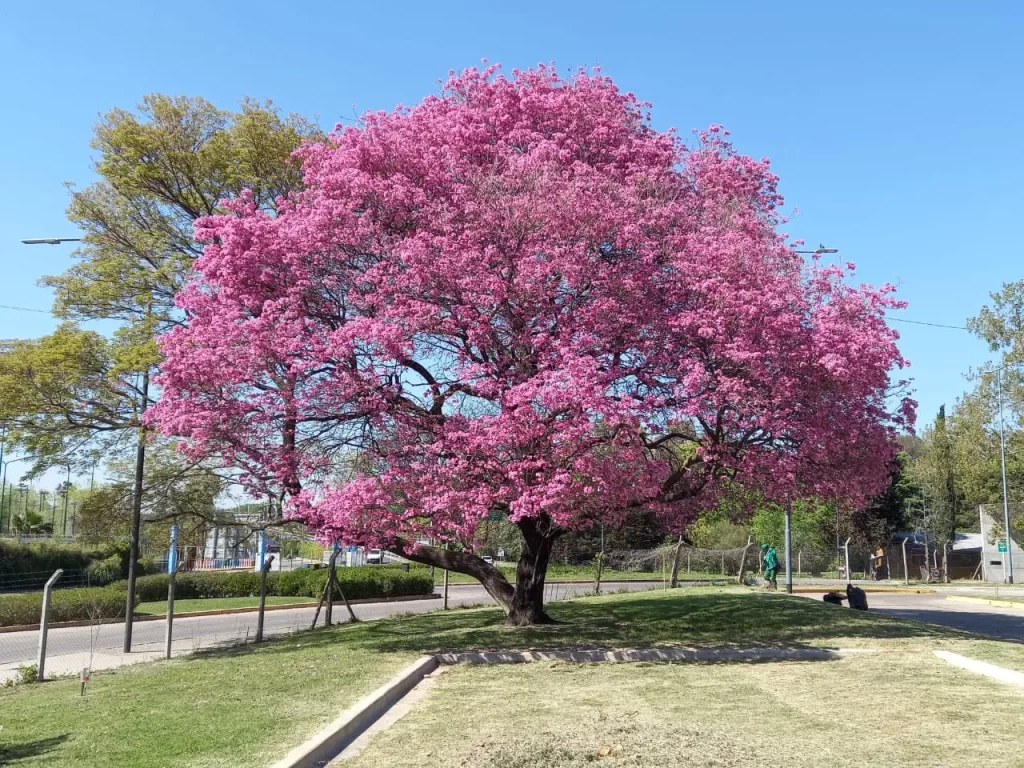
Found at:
[519, 296]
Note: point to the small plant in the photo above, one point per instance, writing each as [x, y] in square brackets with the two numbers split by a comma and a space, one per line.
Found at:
[28, 673]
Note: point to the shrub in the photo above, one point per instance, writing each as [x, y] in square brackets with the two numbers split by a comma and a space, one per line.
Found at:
[109, 602]
[65, 605]
[28, 566]
[99, 573]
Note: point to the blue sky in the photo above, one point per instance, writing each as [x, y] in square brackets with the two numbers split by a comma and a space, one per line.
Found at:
[896, 127]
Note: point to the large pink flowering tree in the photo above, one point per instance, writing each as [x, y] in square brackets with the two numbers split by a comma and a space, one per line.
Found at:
[517, 297]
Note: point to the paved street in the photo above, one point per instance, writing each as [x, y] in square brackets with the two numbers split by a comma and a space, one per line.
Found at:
[69, 648]
[998, 623]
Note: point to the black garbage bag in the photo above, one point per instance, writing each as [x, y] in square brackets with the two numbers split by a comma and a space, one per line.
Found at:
[858, 600]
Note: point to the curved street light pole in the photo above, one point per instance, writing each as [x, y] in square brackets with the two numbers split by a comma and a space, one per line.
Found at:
[50, 240]
[1002, 466]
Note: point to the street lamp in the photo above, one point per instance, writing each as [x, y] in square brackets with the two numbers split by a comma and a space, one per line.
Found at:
[50, 240]
[1002, 463]
[820, 251]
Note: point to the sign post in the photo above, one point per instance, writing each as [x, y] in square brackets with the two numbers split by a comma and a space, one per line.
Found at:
[172, 552]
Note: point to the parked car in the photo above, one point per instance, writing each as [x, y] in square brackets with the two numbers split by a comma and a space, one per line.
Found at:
[374, 557]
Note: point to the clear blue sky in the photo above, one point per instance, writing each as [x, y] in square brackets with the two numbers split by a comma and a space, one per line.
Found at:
[896, 126]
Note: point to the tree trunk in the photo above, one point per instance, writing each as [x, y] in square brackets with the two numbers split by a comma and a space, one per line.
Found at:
[523, 603]
[136, 529]
[674, 580]
[491, 578]
[527, 606]
[743, 560]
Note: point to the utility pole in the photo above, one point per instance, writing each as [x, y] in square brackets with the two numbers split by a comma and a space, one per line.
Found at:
[3, 475]
[133, 549]
[67, 493]
[1002, 462]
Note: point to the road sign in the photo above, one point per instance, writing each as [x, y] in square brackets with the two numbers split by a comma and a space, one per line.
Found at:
[1001, 545]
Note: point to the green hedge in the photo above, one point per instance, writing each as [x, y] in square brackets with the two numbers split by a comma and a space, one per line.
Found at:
[65, 605]
[20, 563]
[99, 573]
[109, 602]
[362, 582]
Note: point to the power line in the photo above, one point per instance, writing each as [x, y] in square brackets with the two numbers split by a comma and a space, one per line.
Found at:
[25, 309]
[894, 319]
[933, 325]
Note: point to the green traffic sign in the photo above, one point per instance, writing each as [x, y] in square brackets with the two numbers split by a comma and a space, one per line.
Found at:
[1001, 545]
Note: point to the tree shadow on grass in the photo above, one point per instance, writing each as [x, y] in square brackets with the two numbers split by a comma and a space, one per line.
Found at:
[11, 754]
[712, 620]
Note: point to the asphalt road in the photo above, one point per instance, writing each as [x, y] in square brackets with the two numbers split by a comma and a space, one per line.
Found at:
[70, 649]
[997, 623]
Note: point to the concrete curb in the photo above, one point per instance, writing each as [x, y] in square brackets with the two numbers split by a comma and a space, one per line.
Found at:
[982, 668]
[986, 601]
[218, 612]
[332, 739]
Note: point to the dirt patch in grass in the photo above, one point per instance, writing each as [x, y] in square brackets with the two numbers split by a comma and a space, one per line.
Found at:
[885, 710]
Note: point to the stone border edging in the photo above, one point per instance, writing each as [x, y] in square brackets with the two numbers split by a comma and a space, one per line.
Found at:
[982, 668]
[986, 601]
[218, 612]
[332, 739]
[699, 655]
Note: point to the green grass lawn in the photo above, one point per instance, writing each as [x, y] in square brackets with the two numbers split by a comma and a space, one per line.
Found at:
[585, 574]
[215, 604]
[899, 711]
[247, 706]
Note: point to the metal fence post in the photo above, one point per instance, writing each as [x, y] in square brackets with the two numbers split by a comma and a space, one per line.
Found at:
[906, 573]
[846, 548]
[170, 613]
[44, 622]
[789, 549]
[263, 597]
[329, 605]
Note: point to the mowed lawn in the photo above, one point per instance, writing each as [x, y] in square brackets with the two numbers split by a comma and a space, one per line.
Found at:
[159, 607]
[248, 706]
[897, 711]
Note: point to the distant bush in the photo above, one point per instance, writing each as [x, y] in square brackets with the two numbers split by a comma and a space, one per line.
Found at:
[109, 601]
[357, 583]
[65, 605]
[99, 573]
[27, 566]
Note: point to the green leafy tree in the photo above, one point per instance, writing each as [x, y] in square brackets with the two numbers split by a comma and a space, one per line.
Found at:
[32, 524]
[66, 398]
[160, 167]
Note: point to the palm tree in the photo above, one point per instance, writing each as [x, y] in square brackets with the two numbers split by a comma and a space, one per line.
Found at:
[32, 524]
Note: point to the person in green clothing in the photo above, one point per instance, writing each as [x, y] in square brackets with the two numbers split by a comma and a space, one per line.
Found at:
[771, 565]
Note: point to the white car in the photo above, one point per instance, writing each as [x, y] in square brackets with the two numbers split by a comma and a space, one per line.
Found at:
[487, 559]
[374, 557]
